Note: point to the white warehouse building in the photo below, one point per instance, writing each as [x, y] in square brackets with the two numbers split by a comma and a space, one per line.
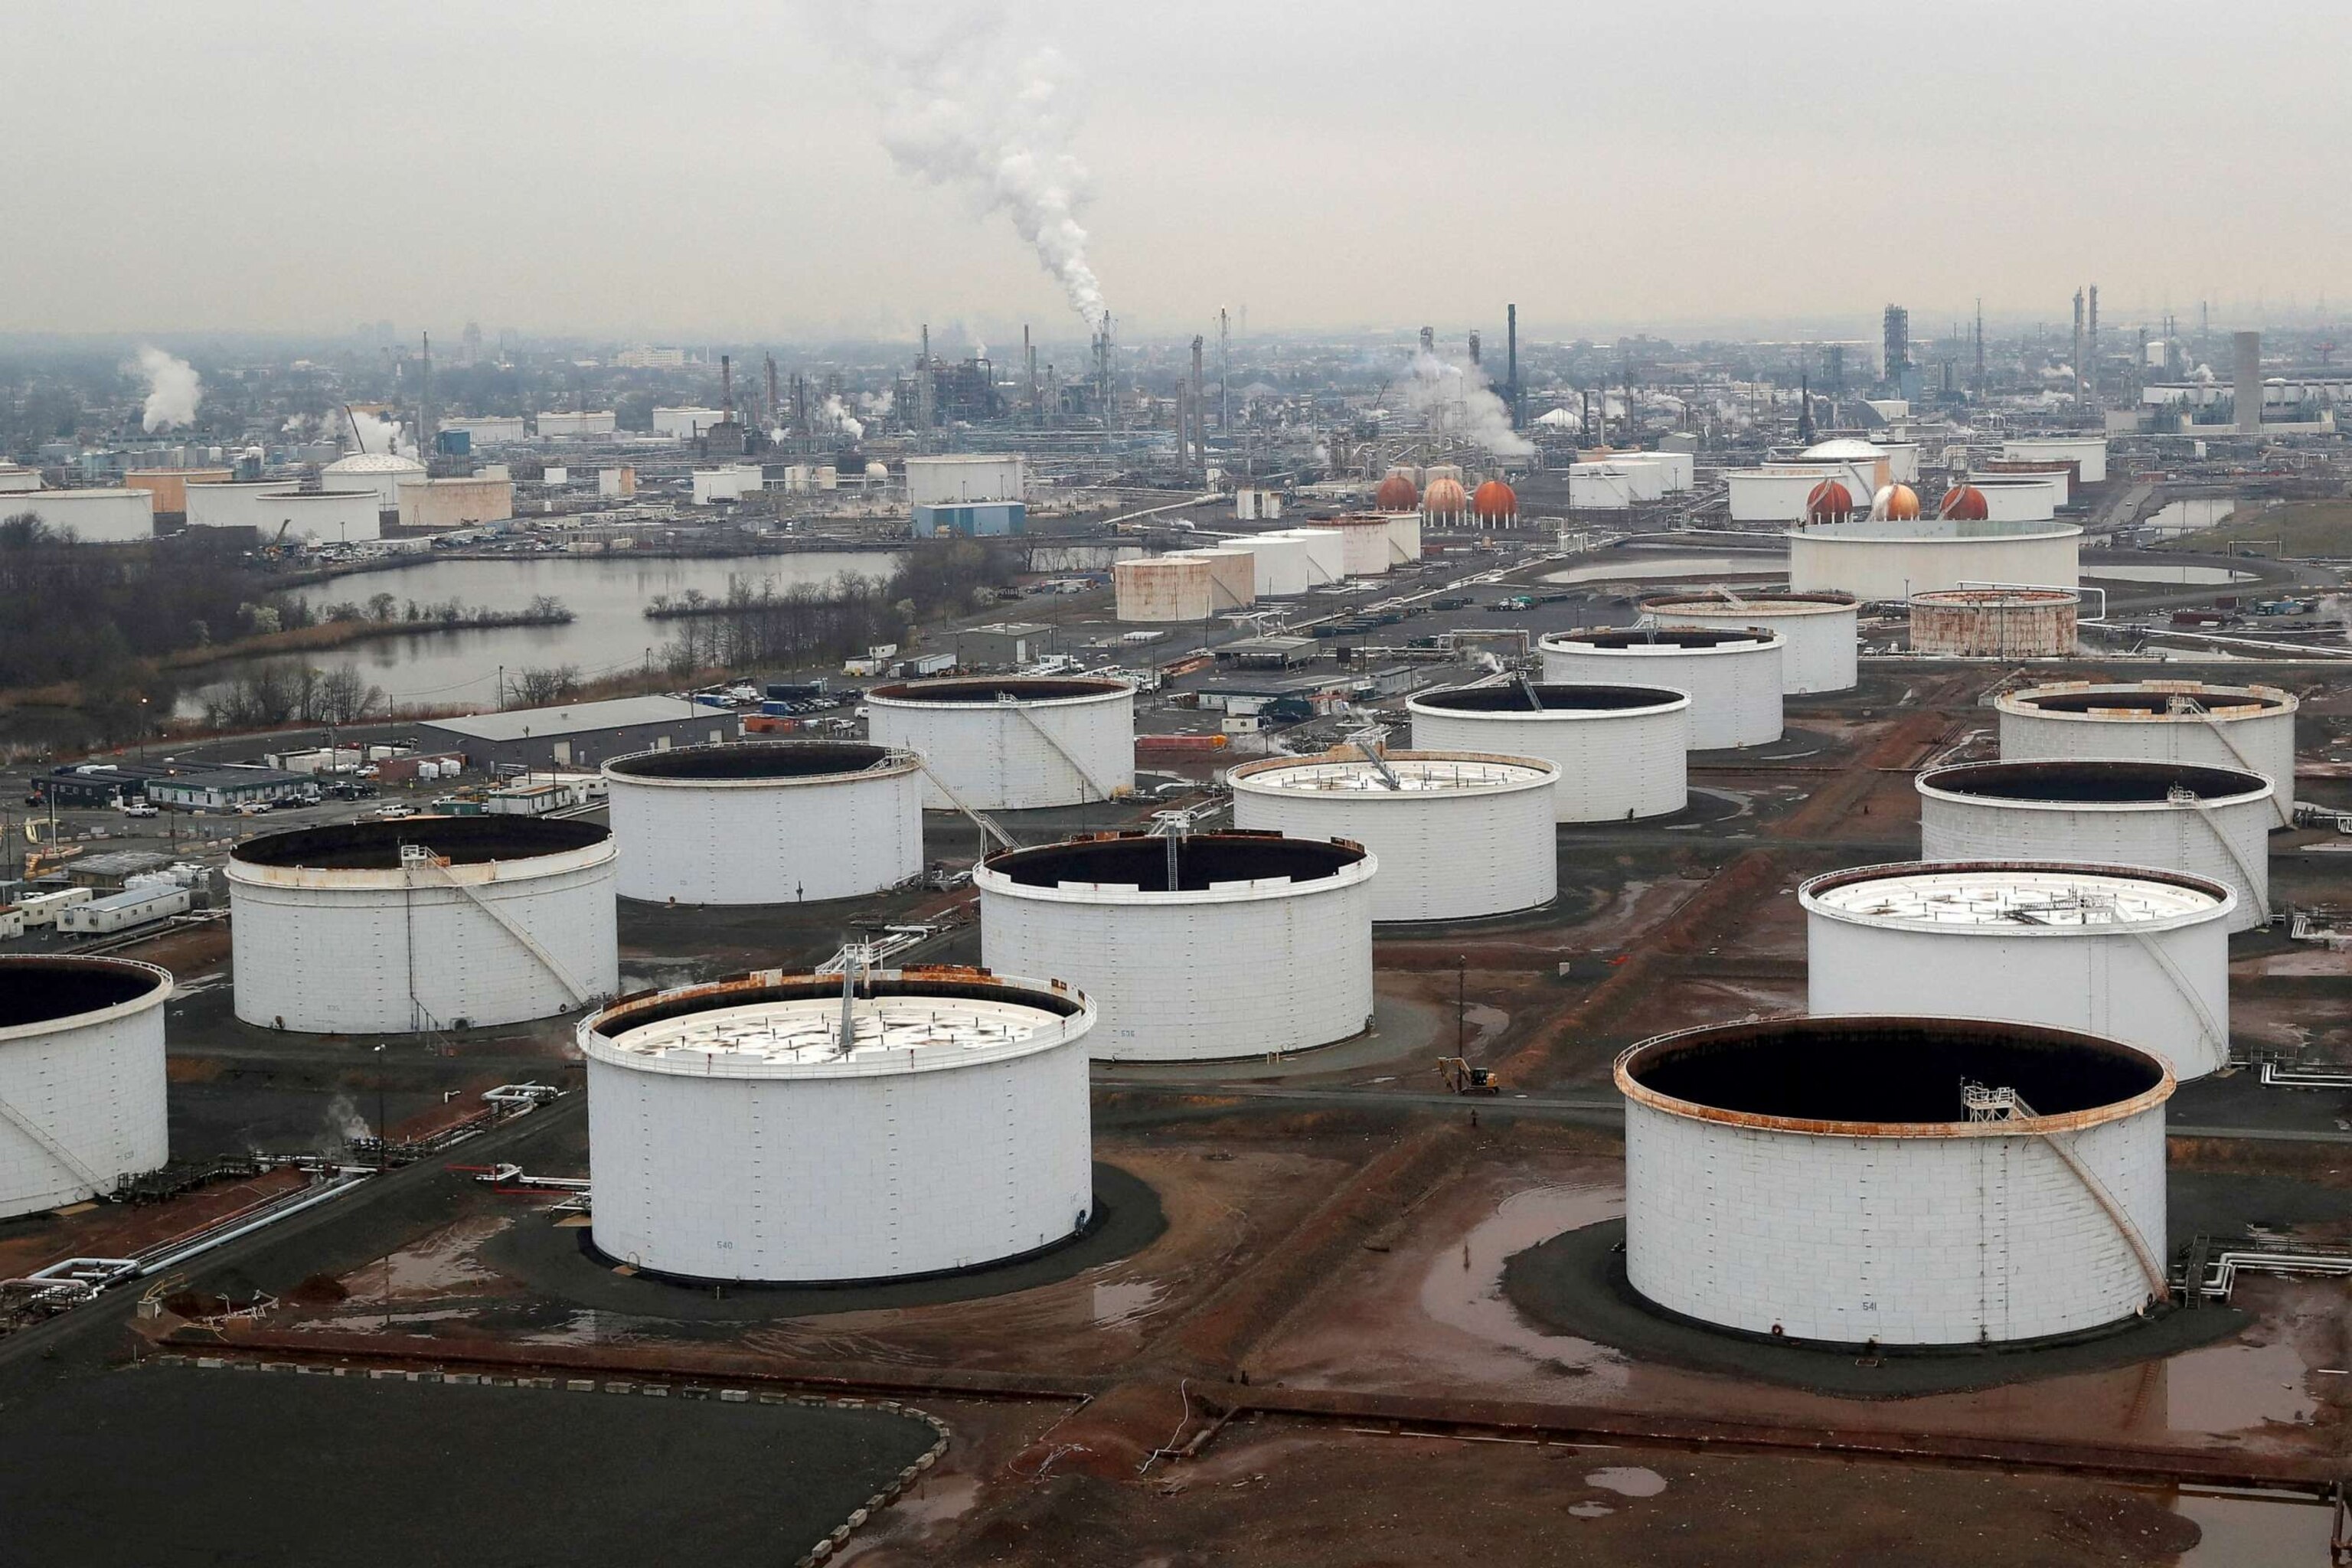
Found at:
[738, 1131]
[1621, 751]
[2130, 953]
[774, 822]
[1732, 673]
[1258, 945]
[1821, 633]
[81, 1077]
[1011, 743]
[1458, 835]
[1833, 1180]
[961, 479]
[2212, 822]
[2250, 727]
[436, 922]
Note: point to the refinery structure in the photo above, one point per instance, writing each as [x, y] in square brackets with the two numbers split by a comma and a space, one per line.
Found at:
[1126, 907]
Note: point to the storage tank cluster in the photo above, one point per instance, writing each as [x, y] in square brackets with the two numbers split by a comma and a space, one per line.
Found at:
[1011, 743]
[2248, 727]
[771, 822]
[821, 1129]
[1621, 751]
[1820, 633]
[1870, 1181]
[1732, 674]
[82, 1077]
[1195, 947]
[1458, 835]
[435, 922]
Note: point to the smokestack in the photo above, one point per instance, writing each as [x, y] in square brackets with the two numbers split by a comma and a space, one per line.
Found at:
[424, 428]
[925, 361]
[2078, 345]
[1511, 315]
[2248, 389]
[1474, 349]
[1029, 358]
[727, 385]
[2091, 347]
[774, 419]
[1200, 431]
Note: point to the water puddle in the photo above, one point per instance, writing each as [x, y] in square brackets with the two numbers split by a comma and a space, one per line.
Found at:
[1590, 1510]
[1123, 1302]
[2254, 1532]
[2227, 1388]
[1464, 1289]
[937, 1499]
[1628, 1480]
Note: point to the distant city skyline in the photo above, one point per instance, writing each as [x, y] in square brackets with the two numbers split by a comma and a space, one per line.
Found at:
[571, 170]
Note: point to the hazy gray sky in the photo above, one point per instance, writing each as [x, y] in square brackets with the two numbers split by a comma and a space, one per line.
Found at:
[699, 167]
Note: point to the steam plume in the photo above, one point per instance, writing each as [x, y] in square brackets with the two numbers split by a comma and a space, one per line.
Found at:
[968, 109]
[1457, 399]
[173, 389]
[836, 413]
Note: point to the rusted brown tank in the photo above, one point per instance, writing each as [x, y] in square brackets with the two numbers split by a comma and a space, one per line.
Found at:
[1995, 623]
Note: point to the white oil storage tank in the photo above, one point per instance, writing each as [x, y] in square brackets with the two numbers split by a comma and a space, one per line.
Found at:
[2212, 822]
[1457, 834]
[765, 822]
[81, 1077]
[799, 1129]
[433, 922]
[1732, 673]
[1196, 948]
[1995, 623]
[1890, 1182]
[1621, 751]
[1013, 743]
[2250, 727]
[1821, 632]
[1888, 559]
[2131, 952]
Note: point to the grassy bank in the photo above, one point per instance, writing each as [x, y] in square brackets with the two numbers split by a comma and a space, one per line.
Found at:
[2291, 528]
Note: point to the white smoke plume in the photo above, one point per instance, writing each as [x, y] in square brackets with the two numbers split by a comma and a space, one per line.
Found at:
[380, 435]
[172, 388]
[878, 402]
[968, 108]
[836, 413]
[1457, 399]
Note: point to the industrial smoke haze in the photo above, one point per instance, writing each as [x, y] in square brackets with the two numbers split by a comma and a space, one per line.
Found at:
[381, 437]
[968, 108]
[836, 413]
[172, 388]
[1457, 399]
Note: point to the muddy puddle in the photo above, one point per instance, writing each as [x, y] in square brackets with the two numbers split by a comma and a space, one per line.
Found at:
[2231, 1387]
[2250, 1531]
[1463, 1288]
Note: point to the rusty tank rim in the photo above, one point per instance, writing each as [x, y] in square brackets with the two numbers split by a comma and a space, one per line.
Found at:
[1991, 1037]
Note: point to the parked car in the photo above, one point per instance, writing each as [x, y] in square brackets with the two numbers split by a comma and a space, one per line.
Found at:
[395, 813]
[141, 808]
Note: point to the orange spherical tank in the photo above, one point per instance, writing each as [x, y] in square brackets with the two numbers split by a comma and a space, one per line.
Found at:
[1965, 502]
[1444, 499]
[1397, 493]
[1830, 502]
[1494, 502]
[1897, 501]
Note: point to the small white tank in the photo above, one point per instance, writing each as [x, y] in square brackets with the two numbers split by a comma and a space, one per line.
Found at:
[1733, 674]
[1458, 833]
[1621, 751]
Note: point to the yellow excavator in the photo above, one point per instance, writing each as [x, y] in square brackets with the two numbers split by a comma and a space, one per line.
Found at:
[1461, 1077]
